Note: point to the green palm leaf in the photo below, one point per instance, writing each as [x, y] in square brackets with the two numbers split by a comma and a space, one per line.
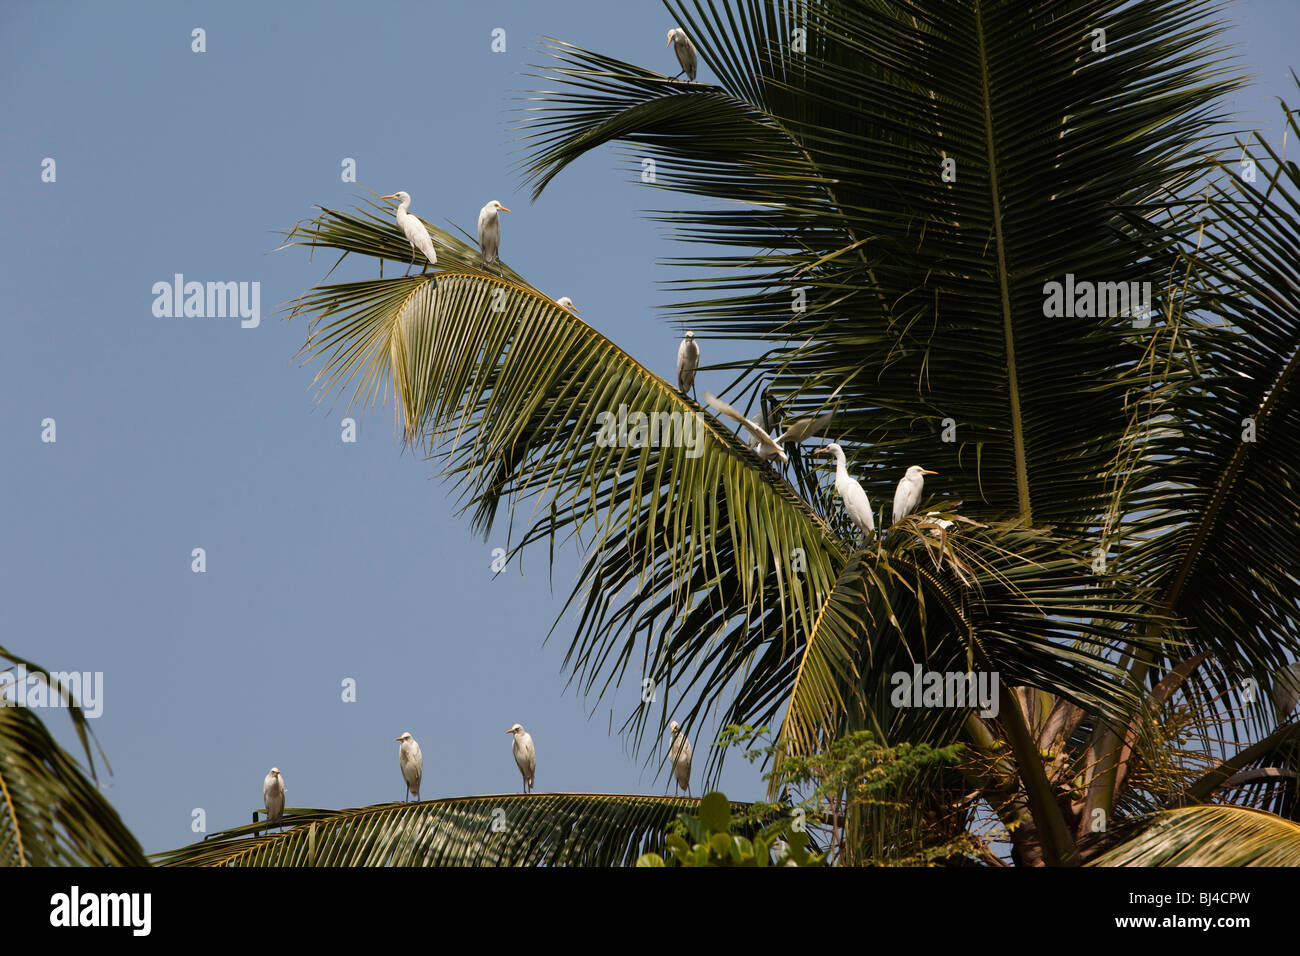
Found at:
[553, 829]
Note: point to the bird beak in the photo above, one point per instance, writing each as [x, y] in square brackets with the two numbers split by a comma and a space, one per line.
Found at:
[669, 43]
[504, 209]
[397, 738]
[393, 196]
[924, 472]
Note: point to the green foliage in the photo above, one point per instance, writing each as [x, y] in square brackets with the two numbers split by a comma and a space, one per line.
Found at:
[51, 811]
[711, 838]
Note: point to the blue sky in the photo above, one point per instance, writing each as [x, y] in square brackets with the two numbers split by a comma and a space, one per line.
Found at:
[325, 560]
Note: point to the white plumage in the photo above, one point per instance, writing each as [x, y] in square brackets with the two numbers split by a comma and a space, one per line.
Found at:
[802, 429]
[855, 499]
[679, 754]
[688, 360]
[525, 755]
[908, 494]
[411, 761]
[685, 51]
[759, 439]
[414, 230]
[273, 795]
[489, 230]
[568, 304]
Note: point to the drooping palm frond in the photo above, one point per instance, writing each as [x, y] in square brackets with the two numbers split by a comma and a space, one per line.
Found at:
[529, 404]
[1208, 836]
[550, 829]
[51, 812]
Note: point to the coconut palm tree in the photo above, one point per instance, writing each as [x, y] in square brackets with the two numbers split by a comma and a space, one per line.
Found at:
[911, 197]
[902, 183]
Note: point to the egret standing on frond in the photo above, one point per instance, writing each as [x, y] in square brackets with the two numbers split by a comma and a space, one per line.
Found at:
[688, 360]
[525, 756]
[273, 795]
[411, 761]
[414, 230]
[679, 754]
[908, 494]
[568, 304]
[855, 499]
[489, 230]
[685, 51]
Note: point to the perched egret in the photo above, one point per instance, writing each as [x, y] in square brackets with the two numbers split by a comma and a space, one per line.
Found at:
[688, 360]
[273, 795]
[855, 499]
[759, 438]
[525, 756]
[414, 230]
[489, 230]
[908, 494]
[567, 303]
[685, 51]
[679, 754]
[411, 761]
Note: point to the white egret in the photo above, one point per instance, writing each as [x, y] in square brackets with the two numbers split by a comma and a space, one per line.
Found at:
[766, 448]
[937, 525]
[273, 795]
[679, 755]
[1286, 690]
[908, 494]
[567, 303]
[802, 429]
[685, 51]
[688, 360]
[855, 499]
[489, 230]
[411, 761]
[525, 756]
[414, 230]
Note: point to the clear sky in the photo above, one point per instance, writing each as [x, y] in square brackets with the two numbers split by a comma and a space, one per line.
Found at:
[325, 560]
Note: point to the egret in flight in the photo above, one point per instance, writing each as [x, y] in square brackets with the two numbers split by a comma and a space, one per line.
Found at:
[688, 360]
[685, 51]
[273, 795]
[414, 230]
[411, 761]
[489, 230]
[908, 494]
[679, 754]
[567, 303]
[525, 756]
[855, 499]
[802, 429]
[760, 440]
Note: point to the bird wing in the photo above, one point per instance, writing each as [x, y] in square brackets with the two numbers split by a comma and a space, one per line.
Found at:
[419, 237]
[806, 428]
[489, 232]
[856, 503]
[688, 360]
[686, 55]
[527, 757]
[762, 437]
[901, 494]
[412, 765]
